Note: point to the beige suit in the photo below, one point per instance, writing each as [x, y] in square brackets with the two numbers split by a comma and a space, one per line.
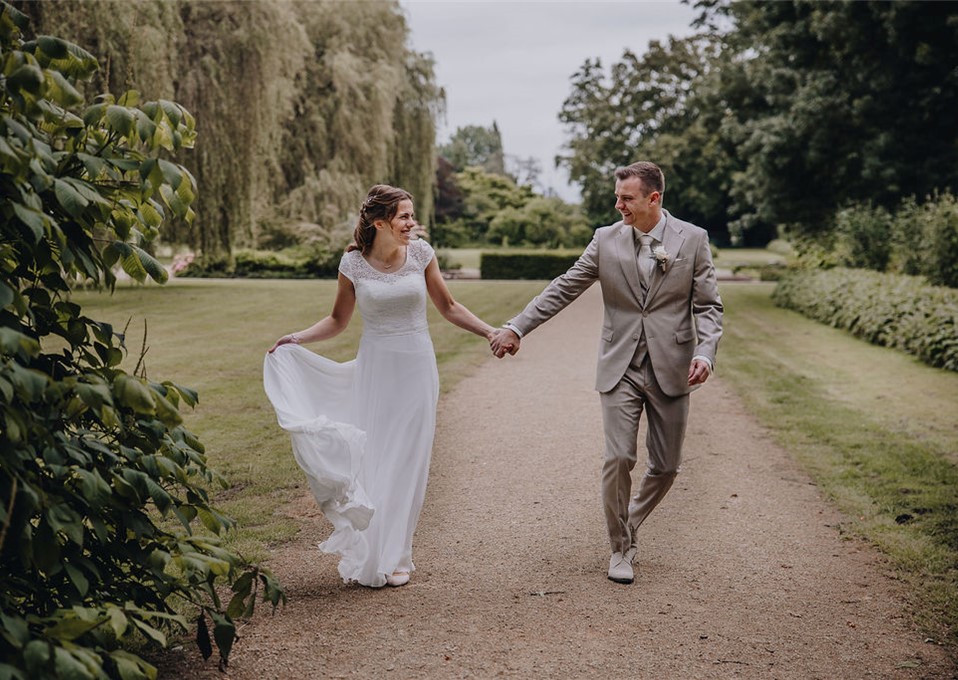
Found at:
[648, 342]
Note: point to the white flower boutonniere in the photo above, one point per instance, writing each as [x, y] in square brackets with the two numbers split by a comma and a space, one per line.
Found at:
[661, 256]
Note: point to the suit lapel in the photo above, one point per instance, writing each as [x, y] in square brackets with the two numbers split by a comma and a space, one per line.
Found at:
[672, 241]
[625, 246]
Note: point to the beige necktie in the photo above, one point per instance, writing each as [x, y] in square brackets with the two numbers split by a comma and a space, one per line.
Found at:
[645, 260]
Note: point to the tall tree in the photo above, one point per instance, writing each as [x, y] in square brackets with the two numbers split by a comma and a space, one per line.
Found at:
[302, 104]
[656, 107]
[857, 103]
[476, 146]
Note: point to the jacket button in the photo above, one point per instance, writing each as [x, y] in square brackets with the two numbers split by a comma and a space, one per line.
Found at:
[635, 336]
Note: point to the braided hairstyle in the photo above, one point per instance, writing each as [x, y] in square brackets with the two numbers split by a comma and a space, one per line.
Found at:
[382, 203]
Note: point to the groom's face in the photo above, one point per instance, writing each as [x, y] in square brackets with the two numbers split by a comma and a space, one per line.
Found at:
[638, 208]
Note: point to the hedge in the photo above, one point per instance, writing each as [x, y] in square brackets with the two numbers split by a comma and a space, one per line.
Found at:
[266, 264]
[892, 310]
[525, 265]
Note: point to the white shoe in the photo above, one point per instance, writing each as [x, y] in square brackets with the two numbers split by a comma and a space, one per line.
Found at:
[397, 578]
[620, 567]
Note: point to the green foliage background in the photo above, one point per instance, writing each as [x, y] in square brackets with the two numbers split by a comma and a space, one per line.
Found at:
[101, 485]
[776, 115]
[302, 104]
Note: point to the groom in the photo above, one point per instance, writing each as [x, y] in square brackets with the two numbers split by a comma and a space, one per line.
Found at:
[663, 321]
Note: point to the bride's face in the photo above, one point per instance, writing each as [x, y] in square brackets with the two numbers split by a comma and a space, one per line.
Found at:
[402, 223]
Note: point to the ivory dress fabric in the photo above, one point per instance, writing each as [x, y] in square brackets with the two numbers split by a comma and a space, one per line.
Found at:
[362, 431]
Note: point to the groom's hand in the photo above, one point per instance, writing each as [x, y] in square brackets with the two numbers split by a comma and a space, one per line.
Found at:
[503, 342]
[698, 372]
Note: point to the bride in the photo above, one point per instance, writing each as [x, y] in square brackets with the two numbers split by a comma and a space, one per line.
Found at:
[362, 431]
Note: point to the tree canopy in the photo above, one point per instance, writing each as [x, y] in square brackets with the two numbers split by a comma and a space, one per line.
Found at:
[777, 114]
[303, 104]
[476, 146]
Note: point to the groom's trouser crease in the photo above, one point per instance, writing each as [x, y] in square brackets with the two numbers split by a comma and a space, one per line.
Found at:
[666, 418]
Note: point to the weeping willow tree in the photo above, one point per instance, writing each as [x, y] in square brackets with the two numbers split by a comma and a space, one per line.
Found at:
[300, 104]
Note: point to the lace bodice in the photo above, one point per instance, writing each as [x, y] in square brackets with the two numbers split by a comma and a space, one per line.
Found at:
[391, 303]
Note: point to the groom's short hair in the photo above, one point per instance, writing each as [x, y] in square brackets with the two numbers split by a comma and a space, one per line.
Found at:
[650, 174]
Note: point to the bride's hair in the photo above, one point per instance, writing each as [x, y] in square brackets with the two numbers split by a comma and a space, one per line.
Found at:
[382, 203]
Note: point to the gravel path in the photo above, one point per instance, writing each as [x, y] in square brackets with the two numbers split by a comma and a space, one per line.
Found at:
[741, 572]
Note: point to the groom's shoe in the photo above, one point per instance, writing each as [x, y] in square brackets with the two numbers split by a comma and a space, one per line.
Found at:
[620, 567]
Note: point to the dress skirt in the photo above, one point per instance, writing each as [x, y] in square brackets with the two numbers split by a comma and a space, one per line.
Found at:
[362, 431]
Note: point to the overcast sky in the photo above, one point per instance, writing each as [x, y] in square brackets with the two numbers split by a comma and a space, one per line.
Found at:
[510, 62]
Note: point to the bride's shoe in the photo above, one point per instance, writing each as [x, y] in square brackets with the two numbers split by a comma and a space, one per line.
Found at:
[397, 578]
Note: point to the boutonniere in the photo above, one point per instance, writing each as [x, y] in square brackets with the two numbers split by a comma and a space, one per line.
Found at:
[661, 256]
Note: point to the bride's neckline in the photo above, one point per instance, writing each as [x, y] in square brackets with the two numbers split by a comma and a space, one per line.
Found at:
[389, 270]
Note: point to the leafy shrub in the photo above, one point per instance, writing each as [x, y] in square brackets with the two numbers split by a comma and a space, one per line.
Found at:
[893, 310]
[918, 239]
[863, 237]
[928, 239]
[95, 464]
[525, 265]
[298, 262]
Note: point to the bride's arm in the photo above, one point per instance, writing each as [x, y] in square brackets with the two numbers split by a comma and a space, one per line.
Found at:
[329, 326]
[451, 310]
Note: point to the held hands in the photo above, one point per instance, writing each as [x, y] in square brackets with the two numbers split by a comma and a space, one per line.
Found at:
[698, 372]
[503, 341]
[285, 340]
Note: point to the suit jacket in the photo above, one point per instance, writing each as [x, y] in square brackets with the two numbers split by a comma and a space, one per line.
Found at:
[680, 317]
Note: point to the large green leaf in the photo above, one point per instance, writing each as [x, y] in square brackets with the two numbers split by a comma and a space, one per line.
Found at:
[7, 294]
[14, 342]
[145, 127]
[131, 667]
[77, 578]
[27, 77]
[120, 119]
[69, 667]
[31, 218]
[94, 114]
[150, 631]
[171, 173]
[53, 47]
[133, 265]
[60, 90]
[69, 198]
[132, 393]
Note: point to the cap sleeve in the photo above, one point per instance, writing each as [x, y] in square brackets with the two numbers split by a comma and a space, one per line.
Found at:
[346, 265]
[423, 253]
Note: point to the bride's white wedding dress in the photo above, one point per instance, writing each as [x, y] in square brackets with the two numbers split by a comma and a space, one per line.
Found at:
[362, 431]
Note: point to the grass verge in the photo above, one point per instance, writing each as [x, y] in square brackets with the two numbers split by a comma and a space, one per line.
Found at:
[212, 335]
[875, 428]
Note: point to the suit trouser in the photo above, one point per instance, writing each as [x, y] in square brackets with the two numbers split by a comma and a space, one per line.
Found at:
[666, 416]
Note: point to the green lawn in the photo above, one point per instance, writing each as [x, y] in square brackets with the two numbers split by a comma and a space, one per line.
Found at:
[876, 429]
[212, 335]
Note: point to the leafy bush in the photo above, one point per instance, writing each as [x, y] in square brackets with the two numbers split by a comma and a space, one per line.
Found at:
[298, 262]
[863, 237]
[893, 310]
[96, 467]
[917, 239]
[927, 239]
[525, 265]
